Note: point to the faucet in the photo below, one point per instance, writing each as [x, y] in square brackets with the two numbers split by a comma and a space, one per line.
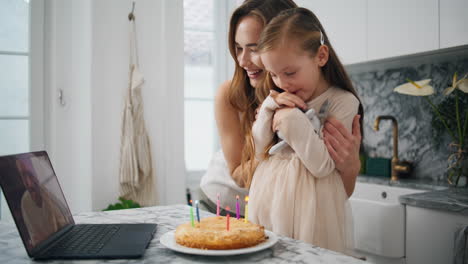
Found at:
[397, 166]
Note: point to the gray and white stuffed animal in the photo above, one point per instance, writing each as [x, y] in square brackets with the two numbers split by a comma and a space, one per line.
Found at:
[316, 121]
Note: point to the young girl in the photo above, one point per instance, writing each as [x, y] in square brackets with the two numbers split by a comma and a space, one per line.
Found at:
[298, 192]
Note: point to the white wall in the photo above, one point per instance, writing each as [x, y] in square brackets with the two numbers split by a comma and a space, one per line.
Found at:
[87, 56]
[68, 67]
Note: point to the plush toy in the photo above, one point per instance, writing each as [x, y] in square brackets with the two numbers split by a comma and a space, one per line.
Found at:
[316, 121]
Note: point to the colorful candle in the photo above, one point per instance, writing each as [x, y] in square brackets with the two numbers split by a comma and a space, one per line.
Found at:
[246, 214]
[198, 211]
[217, 206]
[237, 207]
[191, 214]
[227, 217]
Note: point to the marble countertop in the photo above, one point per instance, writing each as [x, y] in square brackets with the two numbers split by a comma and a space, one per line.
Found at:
[439, 195]
[412, 183]
[453, 200]
[168, 217]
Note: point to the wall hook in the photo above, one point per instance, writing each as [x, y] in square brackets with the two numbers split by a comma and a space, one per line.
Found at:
[131, 16]
[61, 98]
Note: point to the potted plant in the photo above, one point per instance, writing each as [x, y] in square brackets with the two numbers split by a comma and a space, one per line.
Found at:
[450, 116]
[124, 204]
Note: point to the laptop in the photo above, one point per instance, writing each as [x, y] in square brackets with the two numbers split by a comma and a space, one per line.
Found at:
[44, 220]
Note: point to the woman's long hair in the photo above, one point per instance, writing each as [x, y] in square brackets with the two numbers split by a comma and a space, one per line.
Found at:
[242, 96]
[300, 24]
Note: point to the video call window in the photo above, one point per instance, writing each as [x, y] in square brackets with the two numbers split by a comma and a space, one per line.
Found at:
[34, 196]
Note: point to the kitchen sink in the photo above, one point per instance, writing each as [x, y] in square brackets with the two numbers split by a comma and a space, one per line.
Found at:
[379, 219]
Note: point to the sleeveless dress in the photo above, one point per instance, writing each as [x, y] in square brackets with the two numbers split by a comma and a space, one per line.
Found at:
[298, 192]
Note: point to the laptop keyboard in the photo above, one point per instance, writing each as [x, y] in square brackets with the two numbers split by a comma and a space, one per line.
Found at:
[83, 240]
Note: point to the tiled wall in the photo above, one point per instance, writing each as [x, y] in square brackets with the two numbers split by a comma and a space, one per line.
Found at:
[375, 81]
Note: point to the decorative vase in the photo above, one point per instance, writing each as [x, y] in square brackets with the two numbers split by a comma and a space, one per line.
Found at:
[457, 171]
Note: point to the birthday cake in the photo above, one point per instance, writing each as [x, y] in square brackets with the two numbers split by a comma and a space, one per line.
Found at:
[212, 233]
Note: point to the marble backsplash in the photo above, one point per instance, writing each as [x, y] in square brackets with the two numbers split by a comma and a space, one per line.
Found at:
[375, 81]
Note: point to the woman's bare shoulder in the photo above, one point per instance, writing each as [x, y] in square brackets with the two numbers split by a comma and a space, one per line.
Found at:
[222, 102]
[222, 92]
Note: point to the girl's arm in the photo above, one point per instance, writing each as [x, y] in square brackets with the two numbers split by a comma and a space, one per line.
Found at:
[344, 150]
[229, 129]
[261, 131]
[300, 135]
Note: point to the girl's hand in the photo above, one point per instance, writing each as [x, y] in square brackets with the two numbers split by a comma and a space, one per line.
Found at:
[288, 99]
[280, 113]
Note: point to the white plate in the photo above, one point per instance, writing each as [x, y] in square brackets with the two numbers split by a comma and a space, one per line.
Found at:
[168, 240]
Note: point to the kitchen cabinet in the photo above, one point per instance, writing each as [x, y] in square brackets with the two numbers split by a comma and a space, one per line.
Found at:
[364, 30]
[430, 234]
[401, 27]
[453, 23]
[345, 24]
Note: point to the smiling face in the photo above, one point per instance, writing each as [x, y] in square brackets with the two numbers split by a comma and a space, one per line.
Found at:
[297, 71]
[246, 38]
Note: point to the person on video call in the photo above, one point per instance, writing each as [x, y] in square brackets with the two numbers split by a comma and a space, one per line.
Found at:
[41, 213]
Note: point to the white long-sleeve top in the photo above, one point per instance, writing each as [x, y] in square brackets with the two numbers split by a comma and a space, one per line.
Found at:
[297, 192]
[299, 133]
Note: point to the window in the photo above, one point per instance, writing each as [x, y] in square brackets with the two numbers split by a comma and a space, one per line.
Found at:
[14, 76]
[199, 83]
[207, 64]
[21, 79]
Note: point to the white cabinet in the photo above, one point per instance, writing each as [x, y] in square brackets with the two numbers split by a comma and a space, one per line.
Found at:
[430, 235]
[453, 23]
[345, 24]
[401, 27]
[379, 222]
[363, 30]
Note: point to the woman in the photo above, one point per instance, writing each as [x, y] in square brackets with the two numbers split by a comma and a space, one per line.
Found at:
[235, 106]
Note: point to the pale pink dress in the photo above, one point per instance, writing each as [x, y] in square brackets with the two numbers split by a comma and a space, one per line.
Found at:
[298, 192]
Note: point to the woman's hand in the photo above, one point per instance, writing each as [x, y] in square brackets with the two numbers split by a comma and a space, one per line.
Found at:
[288, 99]
[344, 149]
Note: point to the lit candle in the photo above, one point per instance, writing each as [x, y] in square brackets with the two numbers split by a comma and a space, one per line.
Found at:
[217, 207]
[198, 211]
[246, 214]
[227, 217]
[191, 214]
[237, 207]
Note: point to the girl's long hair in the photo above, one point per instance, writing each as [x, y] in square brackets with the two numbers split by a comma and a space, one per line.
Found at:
[242, 96]
[300, 24]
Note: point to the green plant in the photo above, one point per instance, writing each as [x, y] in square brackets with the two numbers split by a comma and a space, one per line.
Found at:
[450, 116]
[446, 108]
[124, 204]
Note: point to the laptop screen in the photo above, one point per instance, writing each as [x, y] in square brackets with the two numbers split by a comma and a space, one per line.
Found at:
[34, 196]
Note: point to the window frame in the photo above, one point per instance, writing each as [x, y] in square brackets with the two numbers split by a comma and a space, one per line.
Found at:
[35, 56]
[36, 111]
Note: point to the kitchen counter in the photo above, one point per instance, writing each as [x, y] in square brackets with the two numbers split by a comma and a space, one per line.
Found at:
[412, 183]
[168, 218]
[439, 195]
[453, 200]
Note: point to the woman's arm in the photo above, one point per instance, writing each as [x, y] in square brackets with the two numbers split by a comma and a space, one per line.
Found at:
[344, 150]
[229, 129]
